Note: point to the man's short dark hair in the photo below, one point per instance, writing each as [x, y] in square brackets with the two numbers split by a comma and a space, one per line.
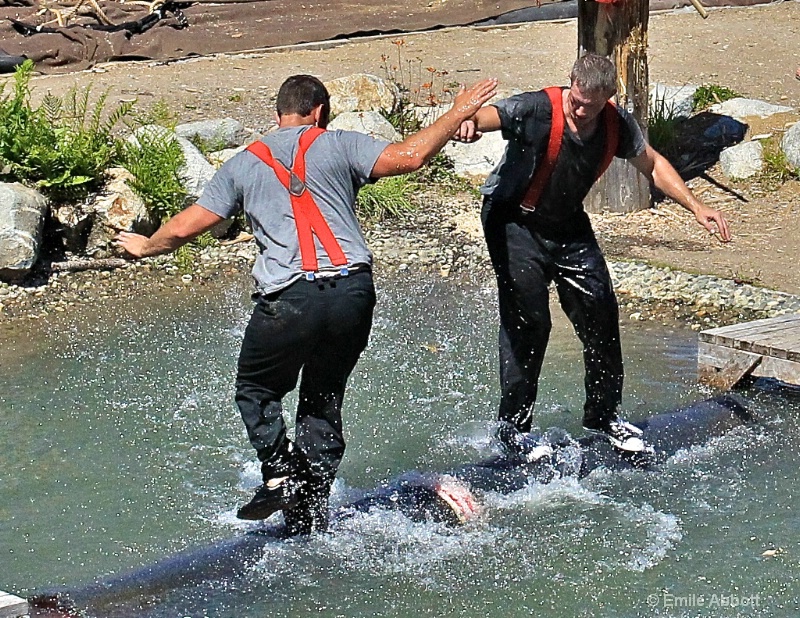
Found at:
[300, 94]
[594, 73]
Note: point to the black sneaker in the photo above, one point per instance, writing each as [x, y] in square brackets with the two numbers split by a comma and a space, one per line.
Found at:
[273, 496]
[286, 476]
[311, 512]
[521, 446]
[622, 435]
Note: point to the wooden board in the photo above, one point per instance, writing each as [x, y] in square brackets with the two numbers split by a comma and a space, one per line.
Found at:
[761, 348]
[12, 606]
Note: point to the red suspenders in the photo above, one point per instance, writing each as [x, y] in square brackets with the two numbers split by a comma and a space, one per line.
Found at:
[307, 217]
[545, 169]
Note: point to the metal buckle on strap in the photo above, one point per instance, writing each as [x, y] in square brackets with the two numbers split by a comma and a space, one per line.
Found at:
[527, 208]
[344, 271]
[296, 186]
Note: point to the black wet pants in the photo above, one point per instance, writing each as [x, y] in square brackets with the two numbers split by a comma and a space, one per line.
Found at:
[320, 327]
[525, 263]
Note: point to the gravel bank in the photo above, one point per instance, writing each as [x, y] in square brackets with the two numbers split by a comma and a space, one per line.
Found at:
[442, 239]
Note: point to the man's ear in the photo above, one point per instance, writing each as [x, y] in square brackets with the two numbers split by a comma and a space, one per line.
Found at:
[320, 115]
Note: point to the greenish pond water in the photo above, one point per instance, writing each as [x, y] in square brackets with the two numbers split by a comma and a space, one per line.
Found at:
[120, 444]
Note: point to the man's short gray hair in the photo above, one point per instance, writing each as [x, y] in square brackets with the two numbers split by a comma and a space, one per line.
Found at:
[594, 73]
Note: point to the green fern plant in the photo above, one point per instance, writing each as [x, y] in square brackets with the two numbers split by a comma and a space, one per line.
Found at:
[155, 161]
[63, 146]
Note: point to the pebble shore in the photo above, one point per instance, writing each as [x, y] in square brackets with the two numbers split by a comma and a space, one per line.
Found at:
[430, 241]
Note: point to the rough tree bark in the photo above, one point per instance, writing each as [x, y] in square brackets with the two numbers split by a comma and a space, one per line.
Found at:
[618, 31]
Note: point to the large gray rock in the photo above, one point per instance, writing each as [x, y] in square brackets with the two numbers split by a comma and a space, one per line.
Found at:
[741, 108]
[790, 144]
[371, 123]
[117, 208]
[676, 101]
[196, 171]
[216, 134]
[70, 225]
[221, 156]
[476, 160]
[362, 92]
[742, 160]
[22, 215]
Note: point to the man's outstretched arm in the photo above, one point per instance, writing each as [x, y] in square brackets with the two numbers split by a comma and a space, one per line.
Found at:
[416, 150]
[485, 119]
[668, 181]
[187, 225]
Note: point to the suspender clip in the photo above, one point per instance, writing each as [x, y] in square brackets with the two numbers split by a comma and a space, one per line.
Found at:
[310, 276]
[344, 272]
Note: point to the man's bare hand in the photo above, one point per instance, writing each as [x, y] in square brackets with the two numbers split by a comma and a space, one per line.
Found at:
[470, 100]
[714, 221]
[467, 133]
[133, 244]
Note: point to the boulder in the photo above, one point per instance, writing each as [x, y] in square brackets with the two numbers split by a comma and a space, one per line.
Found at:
[790, 145]
[741, 108]
[22, 214]
[742, 160]
[362, 92]
[221, 156]
[474, 160]
[677, 101]
[215, 134]
[117, 208]
[196, 170]
[70, 225]
[479, 158]
[371, 123]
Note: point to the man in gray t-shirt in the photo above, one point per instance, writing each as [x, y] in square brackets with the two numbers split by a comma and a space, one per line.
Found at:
[537, 232]
[314, 291]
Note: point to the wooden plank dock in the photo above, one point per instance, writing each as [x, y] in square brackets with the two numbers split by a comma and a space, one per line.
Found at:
[761, 348]
[12, 606]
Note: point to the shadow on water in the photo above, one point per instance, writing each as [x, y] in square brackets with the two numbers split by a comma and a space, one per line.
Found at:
[121, 445]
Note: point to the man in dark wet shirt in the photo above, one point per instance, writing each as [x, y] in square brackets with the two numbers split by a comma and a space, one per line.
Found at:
[559, 142]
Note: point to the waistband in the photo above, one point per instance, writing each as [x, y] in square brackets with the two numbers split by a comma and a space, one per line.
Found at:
[335, 273]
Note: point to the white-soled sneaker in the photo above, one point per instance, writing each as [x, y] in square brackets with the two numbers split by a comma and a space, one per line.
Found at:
[623, 435]
[523, 447]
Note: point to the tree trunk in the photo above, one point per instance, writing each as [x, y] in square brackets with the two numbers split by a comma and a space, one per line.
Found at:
[618, 31]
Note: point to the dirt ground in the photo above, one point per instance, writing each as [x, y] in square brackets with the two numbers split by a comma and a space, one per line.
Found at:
[753, 51]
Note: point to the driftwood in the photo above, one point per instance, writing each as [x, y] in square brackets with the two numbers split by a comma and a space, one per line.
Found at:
[78, 265]
[158, 11]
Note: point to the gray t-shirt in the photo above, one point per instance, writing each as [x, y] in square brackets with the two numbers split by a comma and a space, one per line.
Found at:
[338, 164]
[525, 123]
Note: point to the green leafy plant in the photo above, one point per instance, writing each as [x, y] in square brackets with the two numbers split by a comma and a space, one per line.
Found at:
[63, 146]
[662, 125]
[440, 171]
[389, 197]
[155, 161]
[418, 85]
[709, 94]
[207, 146]
[776, 169]
[158, 113]
[403, 118]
